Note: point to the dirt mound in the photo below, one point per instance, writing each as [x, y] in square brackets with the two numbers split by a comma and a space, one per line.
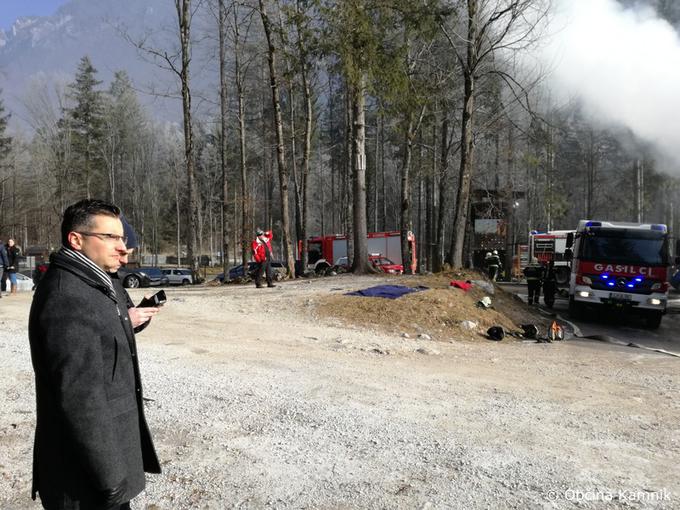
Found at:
[437, 311]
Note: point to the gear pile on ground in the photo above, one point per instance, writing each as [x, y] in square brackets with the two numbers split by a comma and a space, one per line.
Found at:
[439, 312]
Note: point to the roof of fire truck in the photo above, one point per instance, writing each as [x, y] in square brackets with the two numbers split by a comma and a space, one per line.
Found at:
[588, 224]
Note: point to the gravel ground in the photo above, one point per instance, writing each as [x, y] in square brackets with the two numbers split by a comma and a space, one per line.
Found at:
[257, 402]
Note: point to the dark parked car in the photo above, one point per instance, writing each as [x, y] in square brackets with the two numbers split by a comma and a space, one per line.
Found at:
[237, 272]
[142, 277]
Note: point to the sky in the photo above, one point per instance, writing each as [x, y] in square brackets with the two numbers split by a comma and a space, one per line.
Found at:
[10, 10]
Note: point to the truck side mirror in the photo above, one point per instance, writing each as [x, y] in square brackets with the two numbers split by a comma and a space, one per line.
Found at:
[568, 254]
[570, 240]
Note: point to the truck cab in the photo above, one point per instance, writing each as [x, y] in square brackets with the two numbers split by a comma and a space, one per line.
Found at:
[620, 265]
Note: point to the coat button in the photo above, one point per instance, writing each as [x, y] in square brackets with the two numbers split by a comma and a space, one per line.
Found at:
[126, 319]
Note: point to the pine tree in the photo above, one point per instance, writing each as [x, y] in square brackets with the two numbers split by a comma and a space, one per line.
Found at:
[85, 121]
[125, 127]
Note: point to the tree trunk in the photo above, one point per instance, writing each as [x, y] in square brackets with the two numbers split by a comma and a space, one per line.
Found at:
[360, 262]
[280, 149]
[184, 18]
[331, 133]
[406, 222]
[346, 213]
[245, 252]
[466, 141]
[438, 255]
[223, 138]
[307, 144]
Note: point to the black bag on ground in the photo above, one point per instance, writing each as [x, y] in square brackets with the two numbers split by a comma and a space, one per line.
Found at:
[530, 330]
[495, 333]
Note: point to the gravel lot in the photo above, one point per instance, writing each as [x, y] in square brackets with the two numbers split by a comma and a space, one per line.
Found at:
[257, 402]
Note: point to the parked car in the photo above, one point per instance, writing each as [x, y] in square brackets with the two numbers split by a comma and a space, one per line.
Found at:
[142, 277]
[24, 283]
[385, 265]
[237, 273]
[342, 265]
[179, 276]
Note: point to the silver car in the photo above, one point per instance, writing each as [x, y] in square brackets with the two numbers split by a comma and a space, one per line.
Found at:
[179, 276]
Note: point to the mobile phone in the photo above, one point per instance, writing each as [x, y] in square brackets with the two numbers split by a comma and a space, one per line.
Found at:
[158, 299]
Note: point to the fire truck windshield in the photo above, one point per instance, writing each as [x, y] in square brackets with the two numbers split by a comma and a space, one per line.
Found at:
[623, 246]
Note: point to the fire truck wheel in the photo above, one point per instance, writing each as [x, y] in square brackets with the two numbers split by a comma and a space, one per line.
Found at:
[653, 319]
[562, 275]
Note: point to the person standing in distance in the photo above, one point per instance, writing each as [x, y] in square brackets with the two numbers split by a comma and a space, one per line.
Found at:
[92, 443]
[4, 263]
[139, 316]
[534, 274]
[493, 265]
[262, 254]
[12, 264]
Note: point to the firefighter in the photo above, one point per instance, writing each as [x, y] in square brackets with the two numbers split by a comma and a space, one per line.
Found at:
[493, 265]
[549, 285]
[262, 255]
[534, 274]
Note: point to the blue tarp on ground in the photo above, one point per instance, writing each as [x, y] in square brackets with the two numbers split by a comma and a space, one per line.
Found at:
[386, 291]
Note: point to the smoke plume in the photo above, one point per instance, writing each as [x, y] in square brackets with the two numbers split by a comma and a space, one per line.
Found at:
[623, 63]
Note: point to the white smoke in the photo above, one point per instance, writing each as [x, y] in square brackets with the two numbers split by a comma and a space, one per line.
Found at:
[623, 63]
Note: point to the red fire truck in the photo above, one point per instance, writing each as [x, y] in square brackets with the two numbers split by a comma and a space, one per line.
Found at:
[325, 251]
[620, 265]
[550, 247]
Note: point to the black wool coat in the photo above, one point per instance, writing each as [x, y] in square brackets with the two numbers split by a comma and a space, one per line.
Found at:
[91, 435]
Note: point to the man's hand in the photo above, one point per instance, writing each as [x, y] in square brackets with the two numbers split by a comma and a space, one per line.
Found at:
[139, 316]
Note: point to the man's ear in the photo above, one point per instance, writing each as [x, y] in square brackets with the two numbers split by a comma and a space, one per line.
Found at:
[75, 241]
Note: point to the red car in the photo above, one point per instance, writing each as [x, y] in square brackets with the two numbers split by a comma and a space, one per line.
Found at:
[385, 264]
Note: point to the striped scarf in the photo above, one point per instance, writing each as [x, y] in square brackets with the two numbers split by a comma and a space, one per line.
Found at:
[82, 260]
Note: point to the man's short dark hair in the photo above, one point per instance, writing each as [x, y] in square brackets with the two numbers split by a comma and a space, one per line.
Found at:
[80, 215]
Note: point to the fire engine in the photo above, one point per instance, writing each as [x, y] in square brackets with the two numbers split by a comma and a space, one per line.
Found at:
[551, 246]
[323, 252]
[620, 265]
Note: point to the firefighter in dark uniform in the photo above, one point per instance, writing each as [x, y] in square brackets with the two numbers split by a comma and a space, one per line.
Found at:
[493, 265]
[534, 274]
[549, 285]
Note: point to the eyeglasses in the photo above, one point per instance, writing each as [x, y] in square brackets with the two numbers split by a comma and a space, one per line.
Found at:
[113, 238]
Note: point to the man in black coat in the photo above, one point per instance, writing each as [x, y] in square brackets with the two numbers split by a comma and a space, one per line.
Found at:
[92, 442]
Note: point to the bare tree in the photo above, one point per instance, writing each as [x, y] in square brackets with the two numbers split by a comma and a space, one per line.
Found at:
[280, 147]
[491, 25]
[222, 15]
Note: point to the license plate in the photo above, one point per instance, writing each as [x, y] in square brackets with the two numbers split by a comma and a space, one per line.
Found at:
[619, 297]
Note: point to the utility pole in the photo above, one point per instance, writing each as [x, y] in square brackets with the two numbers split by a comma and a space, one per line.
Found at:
[639, 190]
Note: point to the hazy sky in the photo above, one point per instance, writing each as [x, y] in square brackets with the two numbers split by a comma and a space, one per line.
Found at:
[623, 63]
[10, 10]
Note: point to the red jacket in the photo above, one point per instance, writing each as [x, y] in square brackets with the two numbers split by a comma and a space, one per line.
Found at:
[259, 248]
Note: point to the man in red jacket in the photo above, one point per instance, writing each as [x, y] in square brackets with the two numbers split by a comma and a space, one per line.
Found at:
[262, 254]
